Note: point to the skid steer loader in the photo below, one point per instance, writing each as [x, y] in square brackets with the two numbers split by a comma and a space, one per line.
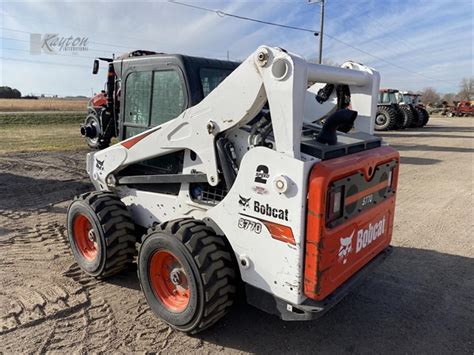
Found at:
[272, 184]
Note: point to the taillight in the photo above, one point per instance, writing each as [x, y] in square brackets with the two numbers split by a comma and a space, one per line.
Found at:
[335, 204]
[389, 180]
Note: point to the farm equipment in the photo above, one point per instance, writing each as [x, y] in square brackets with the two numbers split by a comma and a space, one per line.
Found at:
[420, 114]
[389, 114]
[246, 183]
[462, 108]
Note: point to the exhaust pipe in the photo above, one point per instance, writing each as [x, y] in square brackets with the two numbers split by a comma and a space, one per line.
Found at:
[341, 120]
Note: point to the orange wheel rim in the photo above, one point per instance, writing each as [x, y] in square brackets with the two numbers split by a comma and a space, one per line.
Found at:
[169, 281]
[85, 237]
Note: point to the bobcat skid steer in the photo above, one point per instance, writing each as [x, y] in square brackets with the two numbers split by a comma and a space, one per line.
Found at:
[273, 183]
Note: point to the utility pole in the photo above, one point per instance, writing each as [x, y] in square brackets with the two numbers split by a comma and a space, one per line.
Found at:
[321, 27]
[321, 33]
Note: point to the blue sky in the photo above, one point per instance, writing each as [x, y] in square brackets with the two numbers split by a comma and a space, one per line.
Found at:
[430, 37]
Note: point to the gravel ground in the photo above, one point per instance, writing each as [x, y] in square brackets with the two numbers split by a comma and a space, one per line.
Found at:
[419, 301]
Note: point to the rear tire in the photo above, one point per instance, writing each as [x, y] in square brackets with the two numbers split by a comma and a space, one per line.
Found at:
[386, 118]
[425, 116]
[187, 274]
[420, 117]
[101, 234]
[408, 116]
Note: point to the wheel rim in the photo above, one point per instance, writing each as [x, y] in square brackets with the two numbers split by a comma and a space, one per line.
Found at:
[380, 119]
[93, 121]
[169, 281]
[85, 237]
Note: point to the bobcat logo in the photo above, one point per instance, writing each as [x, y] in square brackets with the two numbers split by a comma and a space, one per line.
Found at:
[244, 202]
[345, 248]
[99, 164]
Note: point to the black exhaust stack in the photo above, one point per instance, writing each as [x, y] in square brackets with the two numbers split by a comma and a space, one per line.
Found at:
[341, 120]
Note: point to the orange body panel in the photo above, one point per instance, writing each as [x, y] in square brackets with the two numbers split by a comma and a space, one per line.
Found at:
[333, 255]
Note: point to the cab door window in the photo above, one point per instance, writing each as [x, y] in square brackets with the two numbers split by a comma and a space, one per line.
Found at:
[168, 98]
[137, 99]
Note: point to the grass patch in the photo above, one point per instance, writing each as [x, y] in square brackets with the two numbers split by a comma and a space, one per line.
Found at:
[27, 138]
[41, 118]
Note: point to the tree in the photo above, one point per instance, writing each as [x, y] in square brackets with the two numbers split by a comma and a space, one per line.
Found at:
[467, 89]
[429, 96]
[7, 92]
[16, 94]
[449, 98]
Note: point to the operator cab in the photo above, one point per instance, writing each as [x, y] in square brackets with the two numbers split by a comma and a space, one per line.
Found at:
[159, 87]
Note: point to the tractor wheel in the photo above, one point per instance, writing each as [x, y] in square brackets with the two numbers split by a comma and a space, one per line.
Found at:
[408, 116]
[187, 274]
[385, 118]
[101, 234]
[426, 117]
[450, 114]
[98, 140]
[419, 118]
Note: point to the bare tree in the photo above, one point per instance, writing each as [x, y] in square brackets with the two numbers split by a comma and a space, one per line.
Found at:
[449, 98]
[467, 89]
[429, 96]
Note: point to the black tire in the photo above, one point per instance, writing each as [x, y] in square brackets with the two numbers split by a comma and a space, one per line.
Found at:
[420, 117]
[386, 118]
[426, 117]
[408, 116]
[112, 230]
[209, 273]
[101, 141]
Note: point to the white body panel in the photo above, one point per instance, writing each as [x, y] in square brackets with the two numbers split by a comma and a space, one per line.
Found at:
[268, 74]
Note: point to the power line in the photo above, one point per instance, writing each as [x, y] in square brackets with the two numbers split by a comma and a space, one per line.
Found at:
[43, 62]
[223, 14]
[105, 44]
[53, 55]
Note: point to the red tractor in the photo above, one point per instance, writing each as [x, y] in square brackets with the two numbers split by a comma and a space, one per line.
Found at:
[463, 108]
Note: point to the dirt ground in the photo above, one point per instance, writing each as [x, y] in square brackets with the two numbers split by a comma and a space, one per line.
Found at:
[421, 300]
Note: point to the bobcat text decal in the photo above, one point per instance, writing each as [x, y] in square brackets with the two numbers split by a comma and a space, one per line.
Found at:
[364, 238]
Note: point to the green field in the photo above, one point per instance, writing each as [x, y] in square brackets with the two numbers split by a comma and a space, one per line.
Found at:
[40, 118]
[40, 131]
[26, 138]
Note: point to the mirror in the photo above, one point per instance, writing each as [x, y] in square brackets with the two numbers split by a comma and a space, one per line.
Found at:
[95, 68]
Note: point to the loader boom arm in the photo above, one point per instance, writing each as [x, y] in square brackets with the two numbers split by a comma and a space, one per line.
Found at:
[268, 74]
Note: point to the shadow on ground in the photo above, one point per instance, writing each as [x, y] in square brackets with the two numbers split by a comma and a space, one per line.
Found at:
[22, 193]
[418, 161]
[411, 304]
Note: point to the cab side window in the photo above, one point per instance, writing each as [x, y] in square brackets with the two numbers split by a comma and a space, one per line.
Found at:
[137, 98]
[168, 99]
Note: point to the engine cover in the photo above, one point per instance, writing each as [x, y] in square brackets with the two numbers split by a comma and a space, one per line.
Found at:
[338, 246]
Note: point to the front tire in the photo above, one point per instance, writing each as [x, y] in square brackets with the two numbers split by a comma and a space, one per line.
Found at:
[187, 274]
[101, 234]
